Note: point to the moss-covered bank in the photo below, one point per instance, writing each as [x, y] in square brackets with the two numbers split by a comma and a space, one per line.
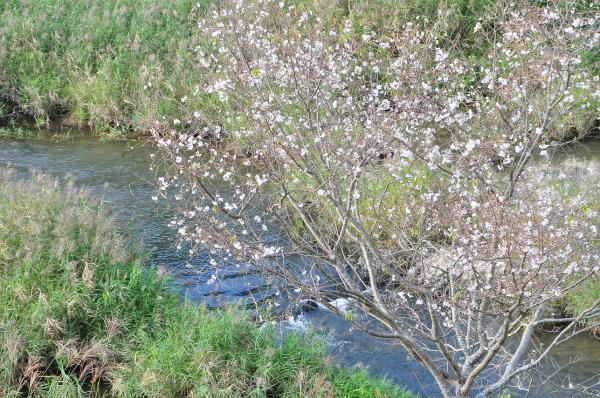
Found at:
[78, 314]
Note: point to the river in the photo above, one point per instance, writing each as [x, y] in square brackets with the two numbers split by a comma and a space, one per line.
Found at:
[120, 174]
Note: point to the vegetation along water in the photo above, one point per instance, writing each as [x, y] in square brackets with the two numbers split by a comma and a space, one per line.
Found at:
[119, 65]
[78, 312]
[119, 174]
[251, 197]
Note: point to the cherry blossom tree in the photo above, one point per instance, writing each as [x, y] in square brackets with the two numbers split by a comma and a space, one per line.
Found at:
[401, 175]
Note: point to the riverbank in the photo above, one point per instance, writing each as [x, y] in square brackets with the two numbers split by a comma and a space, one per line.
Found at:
[115, 66]
[118, 66]
[78, 313]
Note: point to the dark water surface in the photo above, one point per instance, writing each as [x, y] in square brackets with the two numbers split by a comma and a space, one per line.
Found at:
[120, 174]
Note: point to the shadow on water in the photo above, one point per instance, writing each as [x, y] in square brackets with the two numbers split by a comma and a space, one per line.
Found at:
[119, 173]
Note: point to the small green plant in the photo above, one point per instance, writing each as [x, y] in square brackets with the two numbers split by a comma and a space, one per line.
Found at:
[15, 132]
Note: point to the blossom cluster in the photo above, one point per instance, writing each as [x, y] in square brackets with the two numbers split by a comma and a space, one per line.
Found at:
[401, 173]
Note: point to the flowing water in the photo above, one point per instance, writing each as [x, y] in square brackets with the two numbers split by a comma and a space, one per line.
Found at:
[120, 174]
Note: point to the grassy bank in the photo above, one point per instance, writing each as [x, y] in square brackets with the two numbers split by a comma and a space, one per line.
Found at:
[79, 314]
[120, 65]
[117, 65]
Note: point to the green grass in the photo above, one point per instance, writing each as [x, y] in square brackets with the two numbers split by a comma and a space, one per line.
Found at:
[78, 313]
[15, 132]
[91, 61]
[582, 297]
[120, 65]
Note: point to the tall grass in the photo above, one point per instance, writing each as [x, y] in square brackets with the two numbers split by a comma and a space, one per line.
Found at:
[115, 64]
[78, 313]
[120, 65]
